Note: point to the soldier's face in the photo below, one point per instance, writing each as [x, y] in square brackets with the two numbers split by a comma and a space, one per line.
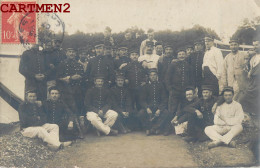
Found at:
[228, 96]
[181, 55]
[168, 51]
[107, 51]
[54, 95]
[206, 94]
[189, 95]
[134, 56]
[120, 82]
[150, 36]
[198, 47]
[122, 52]
[234, 47]
[189, 51]
[31, 97]
[159, 49]
[71, 54]
[56, 44]
[107, 33]
[149, 49]
[153, 76]
[99, 50]
[209, 44]
[99, 82]
[128, 36]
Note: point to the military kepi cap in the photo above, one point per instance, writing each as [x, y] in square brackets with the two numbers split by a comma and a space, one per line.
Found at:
[228, 88]
[134, 51]
[120, 74]
[189, 88]
[99, 76]
[180, 50]
[206, 87]
[152, 70]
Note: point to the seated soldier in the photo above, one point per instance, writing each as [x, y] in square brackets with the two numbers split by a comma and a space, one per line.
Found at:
[201, 116]
[227, 121]
[121, 103]
[184, 107]
[33, 123]
[58, 112]
[98, 106]
[154, 105]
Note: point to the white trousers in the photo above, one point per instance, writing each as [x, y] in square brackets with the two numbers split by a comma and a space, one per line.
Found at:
[110, 119]
[223, 133]
[49, 133]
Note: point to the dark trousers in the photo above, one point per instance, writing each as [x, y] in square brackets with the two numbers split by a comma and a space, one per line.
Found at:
[210, 79]
[151, 121]
[135, 97]
[196, 127]
[39, 86]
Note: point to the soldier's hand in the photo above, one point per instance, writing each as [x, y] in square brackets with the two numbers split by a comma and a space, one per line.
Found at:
[70, 126]
[126, 81]
[81, 121]
[149, 111]
[157, 113]
[38, 77]
[75, 77]
[122, 65]
[39, 103]
[199, 114]
[125, 114]
[100, 113]
[174, 120]
[51, 66]
[143, 83]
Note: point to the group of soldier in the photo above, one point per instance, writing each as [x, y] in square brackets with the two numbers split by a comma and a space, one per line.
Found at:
[127, 87]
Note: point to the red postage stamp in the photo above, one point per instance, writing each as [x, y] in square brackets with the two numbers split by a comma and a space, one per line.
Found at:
[18, 27]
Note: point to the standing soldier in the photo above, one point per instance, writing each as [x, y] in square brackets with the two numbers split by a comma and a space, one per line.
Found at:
[189, 51]
[149, 60]
[123, 59]
[98, 107]
[212, 65]
[196, 64]
[159, 49]
[154, 105]
[121, 103]
[150, 34]
[69, 81]
[100, 65]
[108, 39]
[178, 77]
[234, 74]
[33, 66]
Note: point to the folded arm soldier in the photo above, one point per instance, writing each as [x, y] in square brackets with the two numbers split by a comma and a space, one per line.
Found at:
[150, 34]
[154, 105]
[98, 106]
[33, 123]
[100, 65]
[227, 121]
[57, 112]
[179, 76]
[121, 103]
[200, 115]
[33, 66]
[234, 74]
[212, 65]
[123, 59]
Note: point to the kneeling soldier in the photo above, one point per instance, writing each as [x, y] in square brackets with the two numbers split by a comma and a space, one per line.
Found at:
[154, 105]
[33, 123]
[121, 103]
[98, 106]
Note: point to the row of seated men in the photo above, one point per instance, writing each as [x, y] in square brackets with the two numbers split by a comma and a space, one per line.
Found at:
[109, 110]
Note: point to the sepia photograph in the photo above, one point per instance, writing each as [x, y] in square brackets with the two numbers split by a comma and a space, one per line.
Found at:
[129, 83]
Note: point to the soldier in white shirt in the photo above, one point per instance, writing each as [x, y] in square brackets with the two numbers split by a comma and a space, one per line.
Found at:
[149, 60]
[212, 65]
[234, 74]
[227, 121]
[150, 34]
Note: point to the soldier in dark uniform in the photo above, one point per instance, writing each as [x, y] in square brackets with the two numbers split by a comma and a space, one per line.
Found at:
[69, 81]
[164, 64]
[178, 77]
[33, 66]
[135, 77]
[98, 107]
[101, 64]
[128, 41]
[123, 58]
[58, 112]
[154, 105]
[121, 103]
[189, 51]
[201, 116]
[196, 61]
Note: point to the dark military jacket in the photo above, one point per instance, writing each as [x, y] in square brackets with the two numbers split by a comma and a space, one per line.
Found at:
[33, 62]
[98, 99]
[70, 67]
[121, 60]
[154, 96]
[100, 65]
[121, 100]
[31, 115]
[163, 67]
[179, 76]
[135, 73]
[130, 44]
[196, 61]
[186, 106]
[57, 112]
